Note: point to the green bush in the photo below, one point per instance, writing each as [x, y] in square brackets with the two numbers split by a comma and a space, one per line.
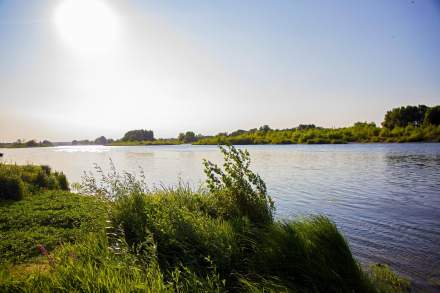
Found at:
[242, 191]
[62, 181]
[35, 178]
[11, 187]
[388, 281]
[42, 179]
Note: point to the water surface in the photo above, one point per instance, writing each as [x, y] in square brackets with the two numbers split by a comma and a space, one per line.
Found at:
[384, 197]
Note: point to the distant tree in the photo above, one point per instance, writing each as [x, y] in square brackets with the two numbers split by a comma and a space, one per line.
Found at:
[139, 135]
[237, 132]
[46, 143]
[31, 143]
[101, 140]
[82, 142]
[188, 137]
[364, 124]
[404, 116]
[306, 126]
[264, 128]
[432, 116]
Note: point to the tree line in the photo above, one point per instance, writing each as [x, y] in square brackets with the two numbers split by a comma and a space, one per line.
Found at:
[401, 124]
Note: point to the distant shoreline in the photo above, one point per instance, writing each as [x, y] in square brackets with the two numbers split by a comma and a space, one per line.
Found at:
[401, 125]
[199, 144]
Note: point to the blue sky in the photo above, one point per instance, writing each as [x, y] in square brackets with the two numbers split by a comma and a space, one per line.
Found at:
[210, 66]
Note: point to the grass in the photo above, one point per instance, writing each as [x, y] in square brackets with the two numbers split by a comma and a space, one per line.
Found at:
[49, 218]
[17, 182]
[131, 239]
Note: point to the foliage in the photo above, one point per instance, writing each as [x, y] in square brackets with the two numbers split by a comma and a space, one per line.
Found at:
[26, 144]
[402, 124]
[432, 116]
[360, 132]
[30, 179]
[238, 188]
[161, 141]
[404, 116]
[111, 185]
[102, 140]
[388, 281]
[187, 137]
[11, 187]
[138, 135]
[50, 218]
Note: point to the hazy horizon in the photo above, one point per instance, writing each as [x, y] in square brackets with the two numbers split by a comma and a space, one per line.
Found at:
[79, 69]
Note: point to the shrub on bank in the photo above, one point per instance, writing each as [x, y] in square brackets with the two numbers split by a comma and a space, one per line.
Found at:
[11, 187]
[31, 179]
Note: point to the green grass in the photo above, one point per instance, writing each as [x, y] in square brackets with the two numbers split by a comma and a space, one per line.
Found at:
[49, 218]
[131, 239]
[17, 182]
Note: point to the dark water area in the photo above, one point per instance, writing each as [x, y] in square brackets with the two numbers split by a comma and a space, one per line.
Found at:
[385, 198]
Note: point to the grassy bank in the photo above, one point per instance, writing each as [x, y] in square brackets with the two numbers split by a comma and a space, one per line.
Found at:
[222, 238]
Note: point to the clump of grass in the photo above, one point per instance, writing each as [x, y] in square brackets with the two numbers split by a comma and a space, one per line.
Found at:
[388, 281]
[11, 187]
[16, 182]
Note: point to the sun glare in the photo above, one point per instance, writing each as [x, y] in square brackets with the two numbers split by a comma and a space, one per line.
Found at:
[87, 26]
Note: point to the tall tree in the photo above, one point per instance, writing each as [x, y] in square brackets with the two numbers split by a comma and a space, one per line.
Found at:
[139, 135]
[404, 116]
[432, 116]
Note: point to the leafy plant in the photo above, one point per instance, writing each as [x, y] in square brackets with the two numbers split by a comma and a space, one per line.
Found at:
[112, 185]
[11, 187]
[238, 187]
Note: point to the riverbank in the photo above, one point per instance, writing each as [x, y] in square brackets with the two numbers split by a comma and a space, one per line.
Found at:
[220, 239]
[359, 133]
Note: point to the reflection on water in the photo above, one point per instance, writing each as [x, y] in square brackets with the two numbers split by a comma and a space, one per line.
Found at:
[385, 198]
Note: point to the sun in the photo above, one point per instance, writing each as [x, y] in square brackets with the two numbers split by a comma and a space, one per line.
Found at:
[87, 26]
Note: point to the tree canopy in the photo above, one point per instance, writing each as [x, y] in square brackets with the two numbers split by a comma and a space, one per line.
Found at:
[404, 116]
[432, 116]
[139, 135]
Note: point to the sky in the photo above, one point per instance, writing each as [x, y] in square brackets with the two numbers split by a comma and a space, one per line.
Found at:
[79, 69]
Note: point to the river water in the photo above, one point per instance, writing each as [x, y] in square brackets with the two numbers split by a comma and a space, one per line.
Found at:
[385, 198]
